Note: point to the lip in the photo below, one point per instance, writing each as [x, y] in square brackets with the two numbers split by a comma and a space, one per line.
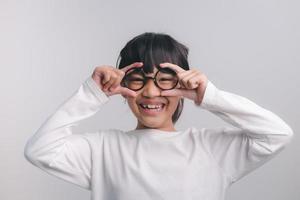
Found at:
[151, 112]
[153, 102]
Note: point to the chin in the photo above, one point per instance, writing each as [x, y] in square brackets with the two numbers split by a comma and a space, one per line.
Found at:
[150, 123]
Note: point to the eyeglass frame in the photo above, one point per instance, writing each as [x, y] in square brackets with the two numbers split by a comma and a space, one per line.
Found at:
[146, 78]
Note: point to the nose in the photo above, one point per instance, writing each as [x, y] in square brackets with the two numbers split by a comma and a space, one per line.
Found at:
[150, 90]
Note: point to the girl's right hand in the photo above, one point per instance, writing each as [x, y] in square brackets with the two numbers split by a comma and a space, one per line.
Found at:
[108, 79]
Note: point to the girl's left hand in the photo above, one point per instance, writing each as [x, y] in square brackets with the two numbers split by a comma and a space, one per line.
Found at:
[192, 83]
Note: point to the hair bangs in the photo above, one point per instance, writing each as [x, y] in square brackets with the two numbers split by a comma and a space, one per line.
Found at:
[153, 49]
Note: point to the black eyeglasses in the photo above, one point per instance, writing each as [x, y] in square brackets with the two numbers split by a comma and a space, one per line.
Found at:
[135, 79]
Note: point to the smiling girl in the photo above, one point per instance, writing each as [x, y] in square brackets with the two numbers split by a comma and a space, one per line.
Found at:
[154, 160]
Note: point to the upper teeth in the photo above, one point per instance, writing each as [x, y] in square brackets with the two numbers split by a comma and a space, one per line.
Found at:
[151, 106]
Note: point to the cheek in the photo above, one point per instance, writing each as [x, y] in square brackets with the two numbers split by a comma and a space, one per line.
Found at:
[173, 103]
[134, 107]
[132, 104]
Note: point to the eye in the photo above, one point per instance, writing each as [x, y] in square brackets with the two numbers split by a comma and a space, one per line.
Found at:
[135, 79]
[166, 79]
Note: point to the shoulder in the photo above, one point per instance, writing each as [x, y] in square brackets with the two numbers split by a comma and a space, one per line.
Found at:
[205, 135]
[102, 132]
[96, 137]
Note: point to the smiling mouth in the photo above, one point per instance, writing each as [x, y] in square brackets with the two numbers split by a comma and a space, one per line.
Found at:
[152, 109]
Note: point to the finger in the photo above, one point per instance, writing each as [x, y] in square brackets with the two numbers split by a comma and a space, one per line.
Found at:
[184, 73]
[188, 80]
[108, 85]
[106, 78]
[201, 90]
[185, 79]
[173, 92]
[190, 94]
[111, 81]
[194, 81]
[115, 84]
[176, 68]
[136, 64]
[126, 91]
[181, 75]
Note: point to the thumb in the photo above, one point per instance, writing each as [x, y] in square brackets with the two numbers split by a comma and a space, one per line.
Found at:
[127, 92]
[186, 93]
[173, 92]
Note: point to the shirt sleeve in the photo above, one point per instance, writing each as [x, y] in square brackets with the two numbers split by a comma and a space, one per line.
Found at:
[55, 149]
[257, 134]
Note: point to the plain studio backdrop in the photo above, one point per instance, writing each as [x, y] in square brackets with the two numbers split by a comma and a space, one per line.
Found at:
[48, 48]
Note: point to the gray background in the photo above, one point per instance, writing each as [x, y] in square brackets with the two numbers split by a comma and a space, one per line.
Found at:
[48, 48]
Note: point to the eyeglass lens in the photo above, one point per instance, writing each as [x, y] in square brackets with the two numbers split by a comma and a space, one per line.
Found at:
[165, 79]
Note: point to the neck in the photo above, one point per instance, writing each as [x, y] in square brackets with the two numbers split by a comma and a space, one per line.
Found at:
[163, 128]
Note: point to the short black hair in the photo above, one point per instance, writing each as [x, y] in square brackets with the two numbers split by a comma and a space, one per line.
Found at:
[152, 49]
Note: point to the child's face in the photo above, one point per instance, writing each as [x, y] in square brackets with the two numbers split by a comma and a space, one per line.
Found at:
[159, 118]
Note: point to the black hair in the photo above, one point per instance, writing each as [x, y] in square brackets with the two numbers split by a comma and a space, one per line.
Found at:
[152, 49]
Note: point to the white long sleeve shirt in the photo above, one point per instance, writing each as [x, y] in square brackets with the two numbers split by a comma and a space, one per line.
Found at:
[144, 164]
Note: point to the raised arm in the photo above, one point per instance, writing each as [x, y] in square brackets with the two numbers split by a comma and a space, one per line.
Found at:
[257, 136]
[55, 149]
